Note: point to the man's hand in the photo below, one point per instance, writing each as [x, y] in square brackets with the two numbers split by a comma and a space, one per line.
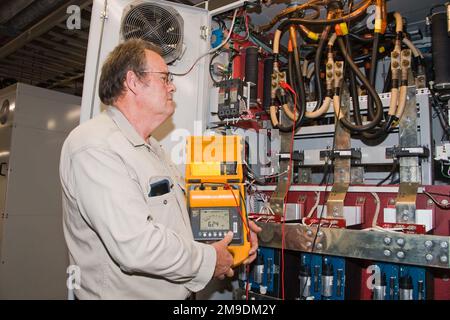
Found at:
[224, 259]
[254, 229]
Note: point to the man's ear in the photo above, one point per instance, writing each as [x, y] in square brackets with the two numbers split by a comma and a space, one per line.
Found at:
[131, 81]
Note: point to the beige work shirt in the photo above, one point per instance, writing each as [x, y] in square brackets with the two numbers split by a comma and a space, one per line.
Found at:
[127, 244]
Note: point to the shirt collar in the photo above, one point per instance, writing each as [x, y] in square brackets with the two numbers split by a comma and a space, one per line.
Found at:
[127, 129]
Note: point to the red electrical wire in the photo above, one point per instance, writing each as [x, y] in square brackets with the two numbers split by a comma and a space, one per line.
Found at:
[227, 186]
[286, 86]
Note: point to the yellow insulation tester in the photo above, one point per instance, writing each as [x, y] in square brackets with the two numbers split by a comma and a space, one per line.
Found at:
[215, 192]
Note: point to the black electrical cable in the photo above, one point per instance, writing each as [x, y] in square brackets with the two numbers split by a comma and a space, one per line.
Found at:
[353, 87]
[300, 85]
[373, 72]
[317, 59]
[371, 91]
[393, 169]
[388, 80]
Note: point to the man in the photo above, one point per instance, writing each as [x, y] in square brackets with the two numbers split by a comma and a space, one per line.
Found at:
[128, 242]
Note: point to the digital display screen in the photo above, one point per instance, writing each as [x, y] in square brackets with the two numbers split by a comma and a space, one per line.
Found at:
[214, 219]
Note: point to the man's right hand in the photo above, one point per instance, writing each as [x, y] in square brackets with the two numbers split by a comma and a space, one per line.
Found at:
[224, 259]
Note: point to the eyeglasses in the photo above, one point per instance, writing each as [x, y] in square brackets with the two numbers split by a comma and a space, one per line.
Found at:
[167, 79]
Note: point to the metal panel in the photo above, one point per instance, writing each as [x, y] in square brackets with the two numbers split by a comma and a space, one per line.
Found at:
[377, 246]
[33, 251]
[34, 259]
[34, 175]
[46, 109]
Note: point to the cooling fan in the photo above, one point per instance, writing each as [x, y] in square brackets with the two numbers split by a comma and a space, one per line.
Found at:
[155, 23]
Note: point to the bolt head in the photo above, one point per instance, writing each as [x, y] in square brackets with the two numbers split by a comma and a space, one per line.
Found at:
[444, 244]
[400, 254]
[338, 64]
[387, 240]
[395, 54]
[309, 244]
[401, 242]
[405, 218]
[320, 233]
[319, 246]
[429, 257]
[444, 202]
[387, 253]
[443, 259]
[428, 244]
[309, 233]
[395, 64]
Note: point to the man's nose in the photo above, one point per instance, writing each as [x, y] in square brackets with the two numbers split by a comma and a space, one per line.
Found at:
[172, 87]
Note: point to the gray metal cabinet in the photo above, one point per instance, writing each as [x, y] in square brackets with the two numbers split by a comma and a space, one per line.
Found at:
[33, 253]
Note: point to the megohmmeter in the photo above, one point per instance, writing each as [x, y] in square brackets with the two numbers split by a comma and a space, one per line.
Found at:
[215, 192]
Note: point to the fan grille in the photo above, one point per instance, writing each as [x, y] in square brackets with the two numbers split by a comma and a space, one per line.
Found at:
[160, 25]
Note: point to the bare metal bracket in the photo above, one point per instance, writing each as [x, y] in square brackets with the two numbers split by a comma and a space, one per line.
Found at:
[411, 249]
[410, 177]
[335, 202]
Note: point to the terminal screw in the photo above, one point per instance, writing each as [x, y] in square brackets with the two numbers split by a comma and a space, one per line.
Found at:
[443, 259]
[401, 242]
[444, 245]
[400, 254]
[387, 240]
[428, 244]
[387, 253]
[429, 257]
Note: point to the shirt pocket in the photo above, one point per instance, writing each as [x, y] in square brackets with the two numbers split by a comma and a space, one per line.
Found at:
[164, 209]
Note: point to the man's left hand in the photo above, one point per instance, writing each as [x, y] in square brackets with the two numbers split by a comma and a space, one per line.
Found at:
[254, 229]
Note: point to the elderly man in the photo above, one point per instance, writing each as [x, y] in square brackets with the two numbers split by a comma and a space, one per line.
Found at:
[129, 242]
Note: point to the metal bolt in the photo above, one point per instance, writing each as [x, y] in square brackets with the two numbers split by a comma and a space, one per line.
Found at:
[387, 253]
[429, 257]
[429, 202]
[405, 63]
[395, 54]
[428, 244]
[444, 244]
[320, 233]
[338, 73]
[309, 244]
[387, 240]
[405, 218]
[338, 64]
[401, 242]
[400, 254]
[309, 233]
[329, 66]
[319, 246]
[274, 76]
[444, 202]
[329, 75]
[395, 64]
[391, 201]
[406, 52]
[443, 259]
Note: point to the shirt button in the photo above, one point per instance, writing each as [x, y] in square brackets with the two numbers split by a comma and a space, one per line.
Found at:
[165, 201]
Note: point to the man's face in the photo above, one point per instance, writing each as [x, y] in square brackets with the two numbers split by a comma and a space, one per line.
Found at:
[156, 94]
